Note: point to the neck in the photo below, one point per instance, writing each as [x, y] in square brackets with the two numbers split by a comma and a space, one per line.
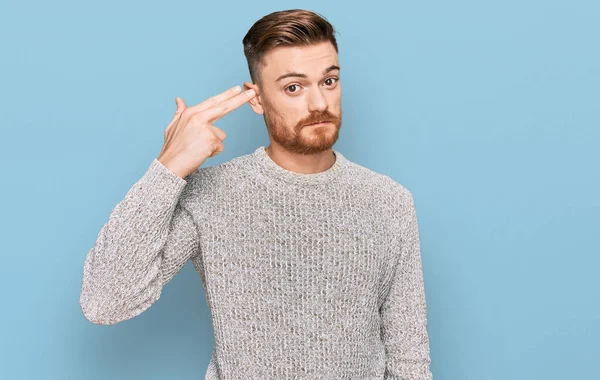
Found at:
[301, 163]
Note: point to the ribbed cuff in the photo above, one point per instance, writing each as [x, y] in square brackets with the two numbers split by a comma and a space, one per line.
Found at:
[161, 185]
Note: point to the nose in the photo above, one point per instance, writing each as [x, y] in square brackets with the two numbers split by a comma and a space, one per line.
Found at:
[316, 100]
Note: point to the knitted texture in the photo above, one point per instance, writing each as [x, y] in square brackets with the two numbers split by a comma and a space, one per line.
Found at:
[307, 276]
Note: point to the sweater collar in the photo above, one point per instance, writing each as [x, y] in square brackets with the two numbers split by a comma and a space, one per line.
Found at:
[273, 169]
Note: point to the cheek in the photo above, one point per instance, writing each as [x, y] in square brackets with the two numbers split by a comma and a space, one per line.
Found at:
[291, 113]
[336, 95]
[291, 105]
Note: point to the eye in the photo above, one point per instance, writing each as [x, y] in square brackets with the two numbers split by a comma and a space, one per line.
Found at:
[294, 86]
[331, 79]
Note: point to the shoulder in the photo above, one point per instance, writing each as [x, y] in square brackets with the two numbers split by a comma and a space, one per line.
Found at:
[211, 185]
[219, 174]
[379, 184]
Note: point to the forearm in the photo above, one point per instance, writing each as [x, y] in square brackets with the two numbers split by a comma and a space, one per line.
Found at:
[122, 272]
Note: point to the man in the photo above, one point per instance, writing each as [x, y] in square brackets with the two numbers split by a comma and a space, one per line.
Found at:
[310, 263]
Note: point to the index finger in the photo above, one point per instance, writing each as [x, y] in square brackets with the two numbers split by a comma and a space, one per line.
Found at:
[217, 111]
[215, 99]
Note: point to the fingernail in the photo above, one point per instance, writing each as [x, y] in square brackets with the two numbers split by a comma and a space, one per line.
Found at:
[237, 89]
[250, 92]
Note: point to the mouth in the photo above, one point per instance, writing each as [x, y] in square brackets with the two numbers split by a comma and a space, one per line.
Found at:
[317, 124]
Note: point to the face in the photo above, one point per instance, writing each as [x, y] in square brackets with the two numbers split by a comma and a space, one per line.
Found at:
[300, 97]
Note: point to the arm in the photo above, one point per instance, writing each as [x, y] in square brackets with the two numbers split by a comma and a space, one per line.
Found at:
[404, 310]
[146, 241]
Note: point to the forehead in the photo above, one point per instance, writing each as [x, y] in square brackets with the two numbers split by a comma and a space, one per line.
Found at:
[310, 60]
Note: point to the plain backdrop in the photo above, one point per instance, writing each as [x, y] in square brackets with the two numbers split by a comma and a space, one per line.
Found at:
[488, 112]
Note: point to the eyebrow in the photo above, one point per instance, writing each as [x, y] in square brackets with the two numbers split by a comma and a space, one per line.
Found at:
[300, 75]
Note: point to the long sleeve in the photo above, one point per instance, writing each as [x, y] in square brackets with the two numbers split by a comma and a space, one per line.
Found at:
[404, 310]
[147, 239]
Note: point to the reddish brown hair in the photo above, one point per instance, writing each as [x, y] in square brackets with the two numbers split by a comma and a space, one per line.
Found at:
[293, 27]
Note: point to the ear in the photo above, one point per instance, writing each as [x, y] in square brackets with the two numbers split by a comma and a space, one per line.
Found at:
[255, 102]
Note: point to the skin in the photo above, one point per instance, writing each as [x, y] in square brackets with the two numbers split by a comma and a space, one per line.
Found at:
[291, 104]
[190, 137]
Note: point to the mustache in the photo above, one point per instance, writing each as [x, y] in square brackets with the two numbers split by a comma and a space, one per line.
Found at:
[319, 117]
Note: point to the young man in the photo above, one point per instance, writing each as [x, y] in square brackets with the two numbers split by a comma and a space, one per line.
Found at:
[310, 263]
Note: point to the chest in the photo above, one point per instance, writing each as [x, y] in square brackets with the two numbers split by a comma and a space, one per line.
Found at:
[288, 241]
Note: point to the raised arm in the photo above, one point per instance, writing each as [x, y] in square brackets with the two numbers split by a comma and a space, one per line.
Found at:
[404, 310]
[150, 235]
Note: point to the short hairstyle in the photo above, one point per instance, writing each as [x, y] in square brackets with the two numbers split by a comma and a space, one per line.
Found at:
[293, 27]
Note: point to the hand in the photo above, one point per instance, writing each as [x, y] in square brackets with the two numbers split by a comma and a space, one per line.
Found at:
[190, 138]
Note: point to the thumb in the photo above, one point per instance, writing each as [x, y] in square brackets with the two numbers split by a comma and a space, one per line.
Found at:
[180, 105]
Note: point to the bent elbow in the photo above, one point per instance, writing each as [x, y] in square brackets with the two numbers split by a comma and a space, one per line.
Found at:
[110, 313]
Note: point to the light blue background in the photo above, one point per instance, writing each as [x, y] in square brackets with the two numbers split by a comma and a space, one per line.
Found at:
[487, 112]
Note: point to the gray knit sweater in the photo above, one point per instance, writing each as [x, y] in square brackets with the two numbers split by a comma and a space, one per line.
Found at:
[307, 276]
